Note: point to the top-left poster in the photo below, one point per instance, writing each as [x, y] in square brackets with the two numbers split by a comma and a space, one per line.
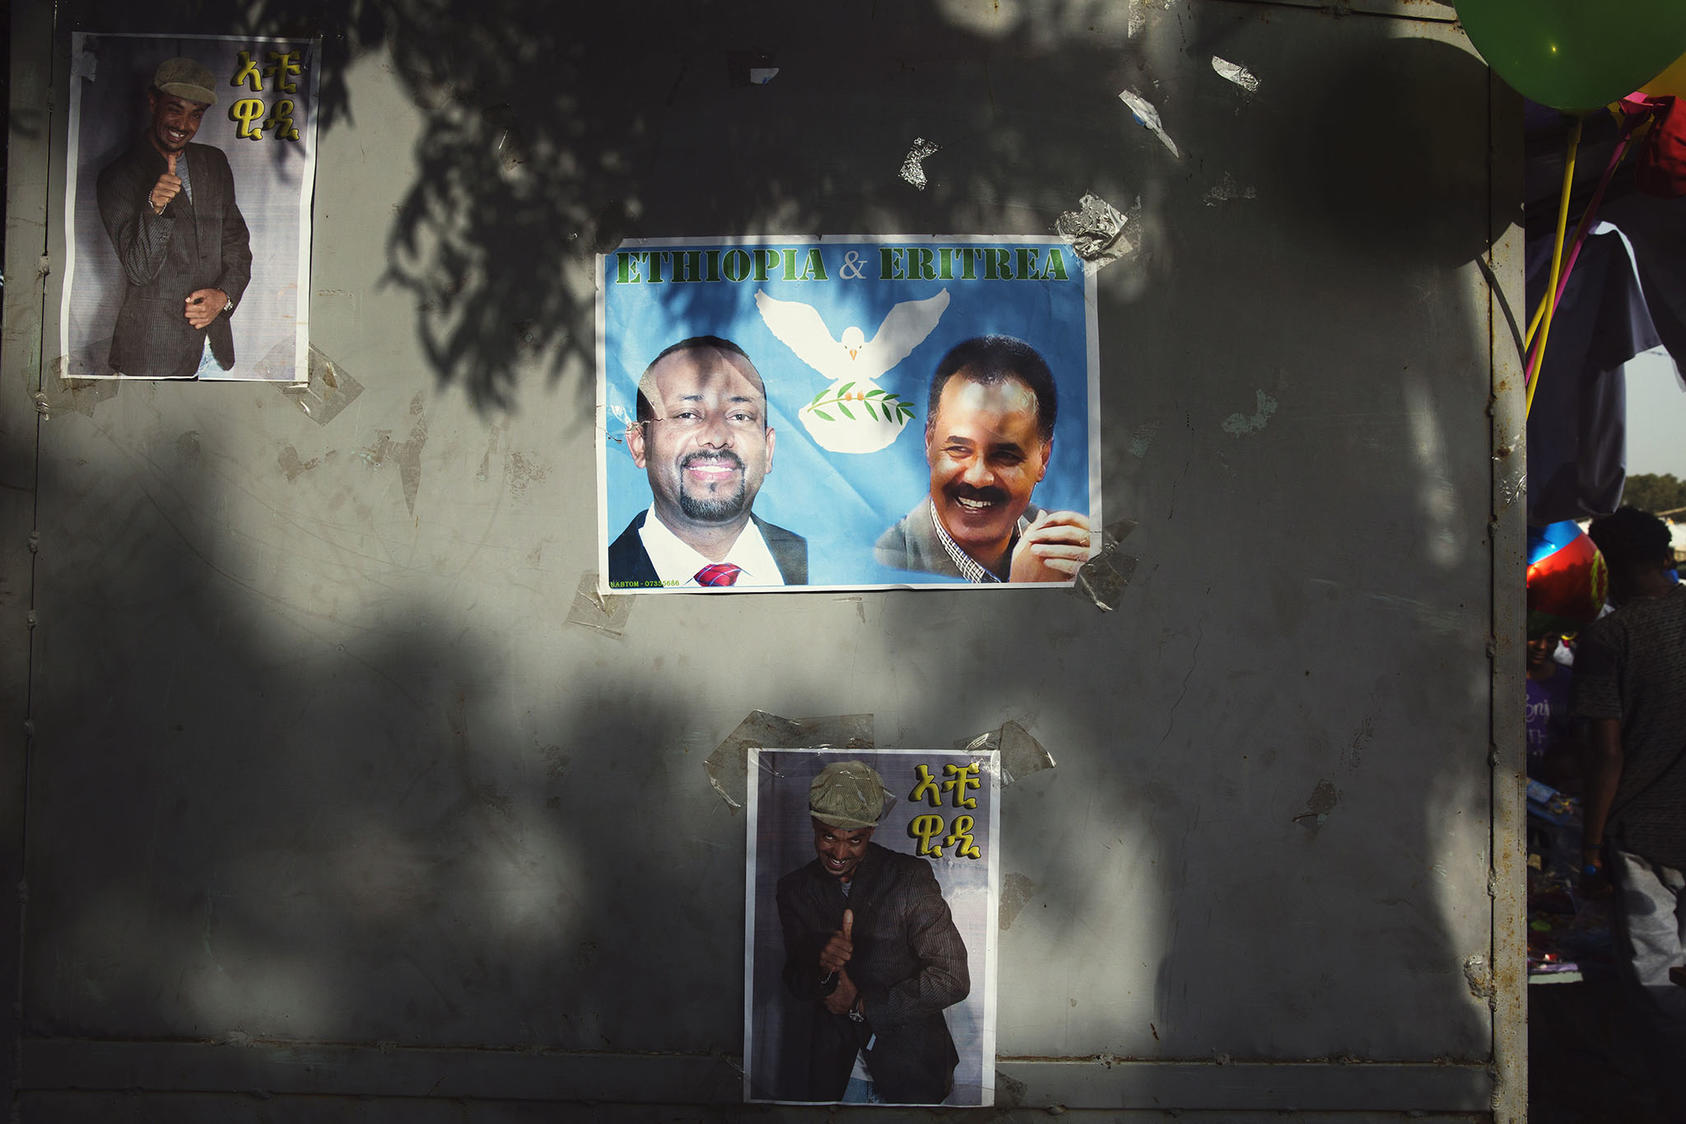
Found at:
[191, 163]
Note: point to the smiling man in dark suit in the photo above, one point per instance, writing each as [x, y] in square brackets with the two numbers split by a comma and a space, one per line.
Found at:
[871, 952]
[702, 437]
[168, 205]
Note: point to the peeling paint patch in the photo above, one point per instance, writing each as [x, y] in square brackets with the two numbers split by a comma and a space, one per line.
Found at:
[293, 466]
[1016, 892]
[497, 441]
[1095, 230]
[1239, 425]
[406, 454]
[728, 766]
[409, 453]
[1235, 72]
[1478, 975]
[1318, 805]
[913, 164]
[326, 390]
[1149, 117]
[604, 612]
[1139, 10]
[1142, 438]
[1226, 189]
[1361, 738]
[1102, 579]
[521, 470]
[555, 758]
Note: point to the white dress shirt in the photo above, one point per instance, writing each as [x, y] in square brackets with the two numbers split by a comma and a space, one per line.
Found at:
[677, 563]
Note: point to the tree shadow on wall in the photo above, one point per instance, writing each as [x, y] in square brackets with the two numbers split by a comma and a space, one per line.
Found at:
[550, 135]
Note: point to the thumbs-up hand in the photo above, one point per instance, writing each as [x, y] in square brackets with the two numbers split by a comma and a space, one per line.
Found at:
[167, 187]
[840, 947]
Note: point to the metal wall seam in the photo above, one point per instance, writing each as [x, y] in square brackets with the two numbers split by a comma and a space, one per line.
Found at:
[1508, 527]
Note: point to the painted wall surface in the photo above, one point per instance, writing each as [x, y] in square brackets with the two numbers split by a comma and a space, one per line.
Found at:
[334, 791]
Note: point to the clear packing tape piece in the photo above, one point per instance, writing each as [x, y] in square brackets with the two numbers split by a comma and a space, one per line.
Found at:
[1019, 754]
[728, 765]
[326, 391]
[600, 611]
[1103, 578]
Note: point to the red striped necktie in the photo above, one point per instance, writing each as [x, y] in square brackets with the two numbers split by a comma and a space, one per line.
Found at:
[718, 573]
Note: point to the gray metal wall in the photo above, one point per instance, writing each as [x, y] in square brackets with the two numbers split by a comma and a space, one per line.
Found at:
[332, 801]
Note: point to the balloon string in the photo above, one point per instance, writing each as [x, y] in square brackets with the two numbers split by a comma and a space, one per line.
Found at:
[1584, 225]
[1533, 375]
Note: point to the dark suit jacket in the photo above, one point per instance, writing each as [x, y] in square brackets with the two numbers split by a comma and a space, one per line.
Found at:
[630, 566]
[909, 964]
[912, 544]
[206, 246]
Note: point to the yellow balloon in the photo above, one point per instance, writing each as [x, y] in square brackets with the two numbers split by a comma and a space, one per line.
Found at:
[1670, 83]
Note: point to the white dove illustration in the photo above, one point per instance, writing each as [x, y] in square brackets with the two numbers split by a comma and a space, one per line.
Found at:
[800, 328]
[854, 414]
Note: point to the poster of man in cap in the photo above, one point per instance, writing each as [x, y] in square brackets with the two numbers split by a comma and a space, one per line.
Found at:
[191, 164]
[870, 921]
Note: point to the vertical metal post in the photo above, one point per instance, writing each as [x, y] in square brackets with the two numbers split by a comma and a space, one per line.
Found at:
[27, 266]
[1508, 525]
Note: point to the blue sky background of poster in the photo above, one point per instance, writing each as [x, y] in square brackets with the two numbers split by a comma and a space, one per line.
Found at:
[110, 76]
[783, 841]
[842, 502]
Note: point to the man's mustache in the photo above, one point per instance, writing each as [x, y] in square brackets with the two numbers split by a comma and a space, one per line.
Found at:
[724, 457]
[982, 495]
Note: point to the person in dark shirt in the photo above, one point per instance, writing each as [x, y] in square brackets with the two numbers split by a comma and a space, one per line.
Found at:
[1630, 688]
[1551, 746]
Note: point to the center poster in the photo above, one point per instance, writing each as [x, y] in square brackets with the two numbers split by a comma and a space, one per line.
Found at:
[870, 921]
[845, 413]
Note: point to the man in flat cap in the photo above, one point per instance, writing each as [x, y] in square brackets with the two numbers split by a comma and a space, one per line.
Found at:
[168, 205]
[871, 948]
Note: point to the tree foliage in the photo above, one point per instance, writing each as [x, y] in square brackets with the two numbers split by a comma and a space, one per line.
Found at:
[1654, 493]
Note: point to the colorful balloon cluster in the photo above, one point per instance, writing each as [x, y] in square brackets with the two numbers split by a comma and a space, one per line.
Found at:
[1567, 579]
[1580, 54]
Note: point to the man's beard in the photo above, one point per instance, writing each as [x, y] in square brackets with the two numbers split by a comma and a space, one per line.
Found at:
[714, 509]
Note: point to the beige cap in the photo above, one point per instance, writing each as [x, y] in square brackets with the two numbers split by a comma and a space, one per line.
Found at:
[184, 78]
[847, 794]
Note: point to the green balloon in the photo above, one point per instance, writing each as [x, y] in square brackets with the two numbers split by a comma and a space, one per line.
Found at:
[1576, 54]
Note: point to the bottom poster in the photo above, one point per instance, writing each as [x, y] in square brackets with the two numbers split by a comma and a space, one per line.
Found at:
[870, 922]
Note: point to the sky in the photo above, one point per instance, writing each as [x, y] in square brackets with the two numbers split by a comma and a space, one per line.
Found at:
[1656, 417]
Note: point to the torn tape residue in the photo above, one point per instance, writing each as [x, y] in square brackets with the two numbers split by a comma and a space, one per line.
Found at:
[1239, 425]
[1103, 578]
[1236, 73]
[913, 165]
[1149, 117]
[604, 612]
[70, 394]
[1019, 754]
[728, 766]
[1095, 230]
[1141, 439]
[1226, 188]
